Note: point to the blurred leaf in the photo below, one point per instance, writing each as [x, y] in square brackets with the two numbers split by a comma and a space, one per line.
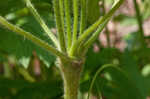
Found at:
[130, 66]
[9, 6]
[23, 48]
[26, 90]
[146, 70]
[93, 12]
[142, 56]
[128, 84]
[104, 56]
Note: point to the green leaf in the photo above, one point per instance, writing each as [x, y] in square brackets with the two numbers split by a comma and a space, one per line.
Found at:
[23, 48]
[26, 90]
[119, 85]
[93, 12]
[146, 71]
[104, 56]
[130, 66]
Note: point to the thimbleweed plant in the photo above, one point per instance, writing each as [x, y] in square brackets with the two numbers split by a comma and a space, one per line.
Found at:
[72, 41]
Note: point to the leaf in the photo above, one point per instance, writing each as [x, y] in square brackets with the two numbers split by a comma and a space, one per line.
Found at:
[23, 48]
[93, 12]
[104, 56]
[11, 6]
[119, 85]
[128, 84]
[130, 66]
[146, 71]
[26, 90]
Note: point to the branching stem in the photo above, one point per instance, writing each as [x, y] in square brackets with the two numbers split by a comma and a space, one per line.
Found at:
[41, 22]
[87, 32]
[33, 38]
[95, 35]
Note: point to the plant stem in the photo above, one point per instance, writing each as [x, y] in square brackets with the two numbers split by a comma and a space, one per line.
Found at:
[107, 30]
[83, 16]
[100, 21]
[41, 22]
[140, 23]
[98, 72]
[61, 4]
[33, 38]
[71, 85]
[87, 32]
[95, 35]
[59, 25]
[83, 48]
[71, 76]
[75, 24]
[68, 23]
[25, 74]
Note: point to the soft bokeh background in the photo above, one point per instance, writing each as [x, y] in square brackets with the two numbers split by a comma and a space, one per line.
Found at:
[29, 72]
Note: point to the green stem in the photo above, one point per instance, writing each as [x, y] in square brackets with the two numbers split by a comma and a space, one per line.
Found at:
[59, 25]
[71, 76]
[83, 16]
[41, 22]
[84, 46]
[95, 35]
[7, 70]
[87, 32]
[61, 4]
[108, 37]
[107, 30]
[75, 24]
[25, 74]
[68, 23]
[97, 73]
[71, 85]
[33, 38]
[100, 21]
[140, 23]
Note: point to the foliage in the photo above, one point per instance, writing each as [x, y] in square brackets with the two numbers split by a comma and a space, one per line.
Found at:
[129, 81]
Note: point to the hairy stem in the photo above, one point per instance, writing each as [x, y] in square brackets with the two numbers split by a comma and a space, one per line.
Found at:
[95, 35]
[41, 22]
[61, 4]
[83, 16]
[71, 76]
[59, 25]
[71, 85]
[87, 32]
[33, 38]
[68, 23]
[75, 24]
[100, 21]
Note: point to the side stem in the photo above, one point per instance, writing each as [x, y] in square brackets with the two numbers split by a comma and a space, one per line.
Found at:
[140, 23]
[33, 38]
[41, 22]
